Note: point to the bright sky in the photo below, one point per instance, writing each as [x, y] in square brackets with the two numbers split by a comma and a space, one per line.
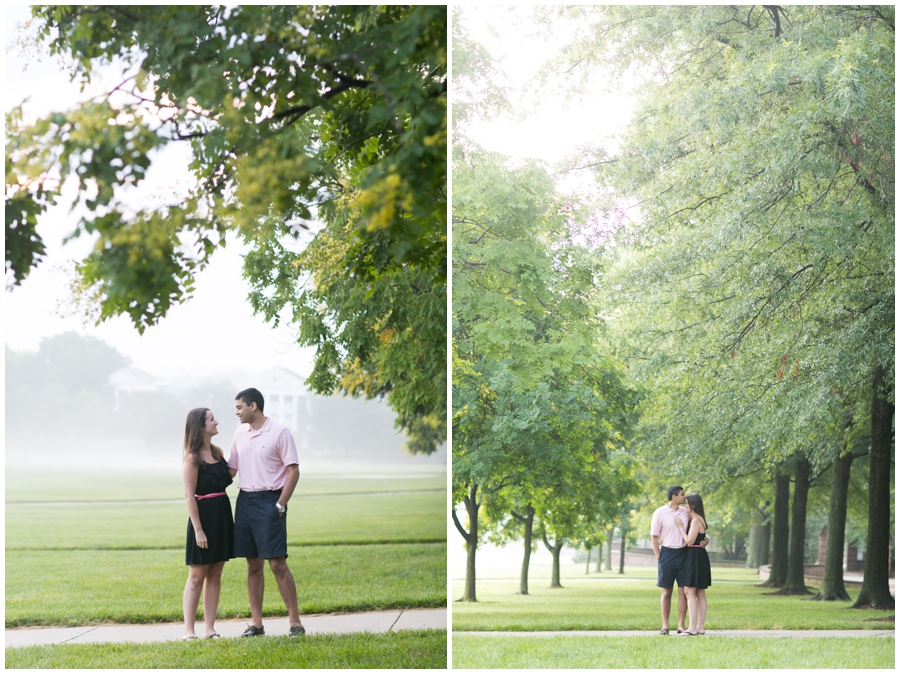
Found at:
[213, 333]
[554, 127]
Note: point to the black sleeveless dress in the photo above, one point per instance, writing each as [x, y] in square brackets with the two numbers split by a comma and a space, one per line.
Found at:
[696, 566]
[215, 516]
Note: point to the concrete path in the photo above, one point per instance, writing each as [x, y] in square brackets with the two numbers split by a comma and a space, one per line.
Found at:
[380, 621]
[709, 633]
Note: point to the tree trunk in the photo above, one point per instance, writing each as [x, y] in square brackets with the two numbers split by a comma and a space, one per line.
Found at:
[781, 531]
[471, 538]
[833, 581]
[609, 549]
[554, 549]
[622, 555]
[755, 557]
[528, 521]
[795, 582]
[766, 540]
[587, 567]
[875, 592]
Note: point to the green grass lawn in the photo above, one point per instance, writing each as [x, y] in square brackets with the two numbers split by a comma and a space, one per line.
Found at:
[408, 649]
[139, 586]
[87, 563]
[329, 519]
[683, 653]
[614, 604]
[54, 485]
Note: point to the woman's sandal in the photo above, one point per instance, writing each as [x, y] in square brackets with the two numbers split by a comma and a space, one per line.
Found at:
[214, 635]
[664, 631]
[189, 637]
[687, 633]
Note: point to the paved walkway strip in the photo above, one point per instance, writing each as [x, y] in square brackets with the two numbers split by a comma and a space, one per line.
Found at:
[802, 634]
[378, 621]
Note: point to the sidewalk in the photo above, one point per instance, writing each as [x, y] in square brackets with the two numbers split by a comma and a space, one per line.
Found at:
[709, 633]
[380, 621]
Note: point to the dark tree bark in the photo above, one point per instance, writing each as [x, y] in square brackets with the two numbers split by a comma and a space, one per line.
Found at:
[609, 549]
[528, 520]
[755, 546]
[833, 581]
[622, 555]
[471, 536]
[554, 549]
[875, 592]
[795, 583]
[781, 531]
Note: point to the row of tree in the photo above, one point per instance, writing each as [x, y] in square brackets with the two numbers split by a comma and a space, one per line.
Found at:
[747, 279]
[541, 414]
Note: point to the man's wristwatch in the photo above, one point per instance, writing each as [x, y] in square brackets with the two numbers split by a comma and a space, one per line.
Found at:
[281, 509]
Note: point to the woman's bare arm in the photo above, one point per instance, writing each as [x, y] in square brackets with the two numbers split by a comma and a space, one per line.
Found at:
[189, 477]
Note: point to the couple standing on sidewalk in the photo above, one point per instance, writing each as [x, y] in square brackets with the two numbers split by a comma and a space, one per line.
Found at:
[266, 456]
[678, 535]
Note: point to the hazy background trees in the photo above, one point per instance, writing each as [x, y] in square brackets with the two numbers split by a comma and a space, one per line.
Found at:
[61, 405]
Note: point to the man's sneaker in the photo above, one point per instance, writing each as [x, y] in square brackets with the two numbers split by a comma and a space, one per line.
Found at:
[254, 631]
[297, 631]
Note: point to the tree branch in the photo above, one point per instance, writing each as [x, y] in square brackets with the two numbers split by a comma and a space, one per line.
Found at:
[773, 10]
[296, 113]
[459, 526]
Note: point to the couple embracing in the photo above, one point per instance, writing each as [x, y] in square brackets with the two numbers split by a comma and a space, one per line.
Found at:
[266, 456]
[678, 534]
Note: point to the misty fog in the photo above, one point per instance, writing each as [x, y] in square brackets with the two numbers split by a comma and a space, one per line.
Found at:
[77, 403]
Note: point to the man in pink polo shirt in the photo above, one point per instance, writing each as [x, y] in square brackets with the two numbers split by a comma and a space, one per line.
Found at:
[670, 549]
[265, 456]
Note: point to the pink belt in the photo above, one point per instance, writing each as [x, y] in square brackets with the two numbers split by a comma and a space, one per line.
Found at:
[203, 496]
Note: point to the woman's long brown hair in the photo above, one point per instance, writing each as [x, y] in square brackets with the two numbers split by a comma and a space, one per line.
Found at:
[193, 436]
[696, 504]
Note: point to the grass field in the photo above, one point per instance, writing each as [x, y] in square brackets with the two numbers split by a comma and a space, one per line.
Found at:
[85, 587]
[611, 603]
[570, 652]
[354, 545]
[319, 520]
[409, 649]
[56, 486]
[608, 601]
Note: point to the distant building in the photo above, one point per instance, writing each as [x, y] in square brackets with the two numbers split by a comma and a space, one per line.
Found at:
[345, 428]
[288, 402]
[287, 399]
[127, 380]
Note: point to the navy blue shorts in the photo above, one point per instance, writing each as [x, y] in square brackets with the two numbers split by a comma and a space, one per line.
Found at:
[258, 530]
[671, 567]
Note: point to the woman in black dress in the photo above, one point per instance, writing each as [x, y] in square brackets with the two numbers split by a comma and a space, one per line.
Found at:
[210, 529]
[697, 575]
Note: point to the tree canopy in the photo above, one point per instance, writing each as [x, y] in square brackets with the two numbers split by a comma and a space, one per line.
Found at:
[754, 197]
[540, 410]
[294, 115]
